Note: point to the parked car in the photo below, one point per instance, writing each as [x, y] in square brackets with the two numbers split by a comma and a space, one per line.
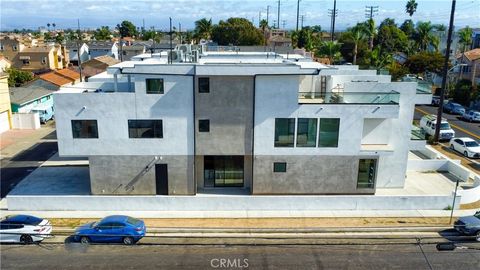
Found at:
[427, 124]
[472, 116]
[24, 229]
[467, 146]
[112, 229]
[45, 114]
[435, 100]
[469, 225]
[453, 108]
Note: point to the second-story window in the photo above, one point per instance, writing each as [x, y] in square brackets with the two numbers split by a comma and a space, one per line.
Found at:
[84, 129]
[307, 132]
[329, 130]
[145, 129]
[284, 132]
[44, 60]
[204, 85]
[154, 86]
[26, 61]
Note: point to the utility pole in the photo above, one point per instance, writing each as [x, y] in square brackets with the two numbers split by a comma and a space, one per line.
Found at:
[371, 11]
[259, 18]
[78, 50]
[171, 41]
[298, 13]
[268, 13]
[180, 32]
[444, 73]
[283, 24]
[143, 25]
[333, 13]
[302, 19]
[278, 15]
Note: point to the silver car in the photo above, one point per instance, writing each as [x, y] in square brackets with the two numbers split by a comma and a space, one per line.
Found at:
[471, 116]
[24, 229]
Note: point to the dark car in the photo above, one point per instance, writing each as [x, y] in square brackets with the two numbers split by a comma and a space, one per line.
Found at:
[112, 229]
[454, 108]
[469, 225]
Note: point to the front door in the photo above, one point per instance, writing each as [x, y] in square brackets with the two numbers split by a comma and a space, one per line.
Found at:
[161, 179]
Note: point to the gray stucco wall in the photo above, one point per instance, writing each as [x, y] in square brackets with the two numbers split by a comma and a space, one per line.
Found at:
[307, 175]
[229, 107]
[110, 174]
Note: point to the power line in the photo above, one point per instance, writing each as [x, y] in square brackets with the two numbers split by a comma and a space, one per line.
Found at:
[278, 15]
[371, 11]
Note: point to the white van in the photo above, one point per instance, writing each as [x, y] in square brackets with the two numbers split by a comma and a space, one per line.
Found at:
[427, 124]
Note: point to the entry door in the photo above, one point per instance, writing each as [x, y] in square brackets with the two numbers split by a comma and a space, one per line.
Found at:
[161, 178]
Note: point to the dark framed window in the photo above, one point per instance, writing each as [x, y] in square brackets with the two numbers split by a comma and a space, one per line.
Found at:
[306, 132]
[204, 125]
[154, 86]
[145, 129]
[204, 85]
[26, 61]
[279, 167]
[329, 132]
[84, 129]
[284, 132]
[367, 172]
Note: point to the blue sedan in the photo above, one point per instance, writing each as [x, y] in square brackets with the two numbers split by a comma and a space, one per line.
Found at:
[112, 229]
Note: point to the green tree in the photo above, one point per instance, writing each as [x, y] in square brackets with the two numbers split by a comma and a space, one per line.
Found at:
[463, 92]
[378, 60]
[59, 38]
[47, 36]
[127, 29]
[203, 29]
[152, 35]
[329, 49]
[425, 62]
[408, 28]
[237, 31]
[390, 38]
[356, 35]
[370, 31]
[424, 35]
[411, 7]
[102, 33]
[263, 25]
[305, 39]
[465, 39]
[18, 77]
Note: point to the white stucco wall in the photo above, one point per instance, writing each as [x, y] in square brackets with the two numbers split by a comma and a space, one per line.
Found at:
[113, 110]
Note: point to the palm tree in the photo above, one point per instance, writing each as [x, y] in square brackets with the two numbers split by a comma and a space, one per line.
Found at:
[330, 49]
[53, 25]
[356, 35]
[370, 30]
[263, 25]
[203, 28]
[464, 38]
[48, 25]
[411, 7]
[424, 35]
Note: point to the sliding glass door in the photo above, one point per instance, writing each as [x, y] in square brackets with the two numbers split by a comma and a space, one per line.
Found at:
[223, 171]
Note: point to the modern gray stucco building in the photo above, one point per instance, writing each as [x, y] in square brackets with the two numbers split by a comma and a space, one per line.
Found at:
[259, 122]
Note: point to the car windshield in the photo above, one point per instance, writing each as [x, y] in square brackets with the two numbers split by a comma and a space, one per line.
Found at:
[445, 126]
[471, 144]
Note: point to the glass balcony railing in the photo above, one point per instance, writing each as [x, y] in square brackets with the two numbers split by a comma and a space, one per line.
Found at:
[424, 88]
[417, 133]
[388, 98]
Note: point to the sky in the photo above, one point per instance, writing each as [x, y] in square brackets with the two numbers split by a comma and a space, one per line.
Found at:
[92, 14]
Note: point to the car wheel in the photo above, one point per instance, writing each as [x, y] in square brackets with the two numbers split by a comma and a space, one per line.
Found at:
[85, 240]
[128, 240]
[465, 153]
[26, 239]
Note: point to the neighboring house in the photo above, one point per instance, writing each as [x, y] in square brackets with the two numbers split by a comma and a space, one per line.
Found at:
[5, 107]
[476, 38]
[279, 41]
[73, 52]
[9, 47]
[258, 123]
[97, 65]
[61, 77]
[101, 48]
[472, 60]
[4, 63]
[25, 99]
[130, 51]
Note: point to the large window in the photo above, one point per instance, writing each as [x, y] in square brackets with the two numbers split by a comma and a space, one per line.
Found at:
[145, 129]
[306, 132]
[284, 132]
[367, 170]
[84, 129]
[223, 171]
[154, 86]
[329, 132]
[204, 85]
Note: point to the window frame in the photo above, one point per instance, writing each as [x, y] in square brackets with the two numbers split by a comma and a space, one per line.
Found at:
[375, 172]
[207, 121]
[84, 120]
[315, 131]
[322, 144]
[200, 84]
[151, 92]
[290, 124]
[282, 169]
[152, 127]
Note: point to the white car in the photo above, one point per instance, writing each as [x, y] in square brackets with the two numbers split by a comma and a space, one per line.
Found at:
[467, 146]
[472, 116]
[24, 229]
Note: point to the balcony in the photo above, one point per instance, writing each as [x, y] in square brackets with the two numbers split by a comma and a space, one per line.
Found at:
[424, 88]
[417, 139]
[386, 98]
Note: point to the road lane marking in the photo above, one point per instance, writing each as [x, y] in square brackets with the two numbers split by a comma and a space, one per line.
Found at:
[453, 125]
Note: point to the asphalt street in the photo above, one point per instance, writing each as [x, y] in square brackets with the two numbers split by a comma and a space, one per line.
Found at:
[78, 256]
[462, 128]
